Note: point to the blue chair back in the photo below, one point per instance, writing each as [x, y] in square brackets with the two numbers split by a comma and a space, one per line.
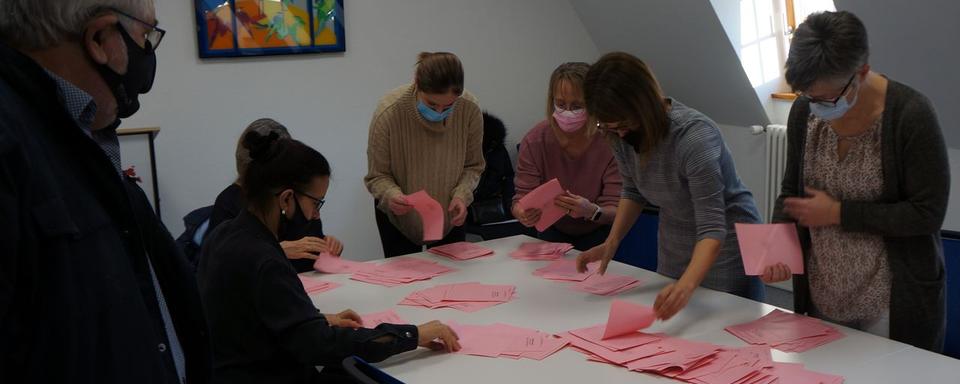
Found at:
[364, 373]
[639, 247]
[951, 255]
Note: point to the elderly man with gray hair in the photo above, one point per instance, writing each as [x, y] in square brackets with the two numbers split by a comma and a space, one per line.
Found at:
[92, 287]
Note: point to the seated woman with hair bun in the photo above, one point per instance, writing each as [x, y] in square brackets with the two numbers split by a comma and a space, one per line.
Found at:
[263, 326]
[301, 239]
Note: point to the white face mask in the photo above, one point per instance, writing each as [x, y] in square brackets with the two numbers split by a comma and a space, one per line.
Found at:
[569, 121]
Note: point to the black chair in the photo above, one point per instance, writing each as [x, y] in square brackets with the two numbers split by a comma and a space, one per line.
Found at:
[364, 373]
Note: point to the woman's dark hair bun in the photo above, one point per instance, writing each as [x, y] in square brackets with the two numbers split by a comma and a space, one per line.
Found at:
[261, 146]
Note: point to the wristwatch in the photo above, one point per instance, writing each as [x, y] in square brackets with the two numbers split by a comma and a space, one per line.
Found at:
[597, 214]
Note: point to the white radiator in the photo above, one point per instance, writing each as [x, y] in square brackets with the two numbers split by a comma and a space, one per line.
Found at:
[776, 158]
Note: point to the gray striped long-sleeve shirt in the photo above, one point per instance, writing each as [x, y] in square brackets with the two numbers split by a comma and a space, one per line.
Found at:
[692, 178]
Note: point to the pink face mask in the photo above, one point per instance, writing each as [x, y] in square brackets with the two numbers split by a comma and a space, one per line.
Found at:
[570, 121]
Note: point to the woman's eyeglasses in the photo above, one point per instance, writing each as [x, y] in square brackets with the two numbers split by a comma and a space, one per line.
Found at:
[830, 103]
[317, 202]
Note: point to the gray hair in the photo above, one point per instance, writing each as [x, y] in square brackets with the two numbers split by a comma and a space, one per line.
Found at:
[827, 46]
[39, 24]
[264, 127]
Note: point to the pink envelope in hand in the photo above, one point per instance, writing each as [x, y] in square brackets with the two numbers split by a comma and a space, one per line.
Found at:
[626, 317]
[542, 198]
[763, 245]
[431, 214]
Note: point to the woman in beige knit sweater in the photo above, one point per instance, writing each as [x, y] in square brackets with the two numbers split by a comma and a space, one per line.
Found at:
[424, 136]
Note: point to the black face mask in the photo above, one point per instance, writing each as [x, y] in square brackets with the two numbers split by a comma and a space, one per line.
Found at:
[293, 228]
[633, 138]
[141, 69]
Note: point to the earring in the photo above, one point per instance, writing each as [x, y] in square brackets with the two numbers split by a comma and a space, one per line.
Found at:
[283, 212]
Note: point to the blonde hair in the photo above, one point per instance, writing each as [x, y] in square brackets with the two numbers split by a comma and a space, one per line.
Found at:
[439, 72]
[573, 73]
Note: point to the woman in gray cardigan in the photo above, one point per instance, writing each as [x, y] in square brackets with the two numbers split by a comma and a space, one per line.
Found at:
[867, 180]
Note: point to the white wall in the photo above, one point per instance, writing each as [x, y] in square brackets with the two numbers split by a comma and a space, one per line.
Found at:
[915, 42]
[952, 221]
[508, 49]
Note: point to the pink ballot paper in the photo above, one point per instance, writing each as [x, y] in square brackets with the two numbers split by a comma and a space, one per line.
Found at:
[316, 286]
[626, 317]
[327, 263]
[461, 251]
[542, 198]
[763, 245]
[372, 320]
[431, 214]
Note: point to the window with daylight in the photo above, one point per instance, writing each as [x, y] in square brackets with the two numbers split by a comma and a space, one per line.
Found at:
[765, 29]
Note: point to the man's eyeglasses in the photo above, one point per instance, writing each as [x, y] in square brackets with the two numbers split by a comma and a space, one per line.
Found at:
[152, 37]
[833, 102]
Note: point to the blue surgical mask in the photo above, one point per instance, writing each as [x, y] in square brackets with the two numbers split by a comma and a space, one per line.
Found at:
[836, 111]
[430, 115]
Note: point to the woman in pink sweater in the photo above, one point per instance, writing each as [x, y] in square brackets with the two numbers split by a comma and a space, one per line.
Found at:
[566, 146]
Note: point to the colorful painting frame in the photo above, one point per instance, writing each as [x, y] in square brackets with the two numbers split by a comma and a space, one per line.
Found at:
[238, 28]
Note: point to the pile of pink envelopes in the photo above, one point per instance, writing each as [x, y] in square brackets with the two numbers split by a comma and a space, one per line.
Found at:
[541, 251]
[372, 320]
[399, 271]
[565, 270]
[619, 342]
[501, 340]
[461, 251]
[787, 332]
[327, 263]
[467, 297]
[608, 284]
[316, 286]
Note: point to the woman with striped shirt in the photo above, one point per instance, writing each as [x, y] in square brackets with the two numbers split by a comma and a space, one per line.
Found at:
[674, 157]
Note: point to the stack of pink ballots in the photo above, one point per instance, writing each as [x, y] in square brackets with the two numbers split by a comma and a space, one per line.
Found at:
[316, 286]
[461, 251]
[608, 284]
[501, 340]
[565, 270]
[401, 271]
[787, 332]
[327, 263]
[618, 342]
[467, 297]
[372, 320]
[541, 251]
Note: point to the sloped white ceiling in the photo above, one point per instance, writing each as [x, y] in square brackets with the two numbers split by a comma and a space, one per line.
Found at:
[687, 47]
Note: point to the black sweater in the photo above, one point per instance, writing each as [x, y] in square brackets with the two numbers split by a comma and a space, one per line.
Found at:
[263, 326]
[230, 203]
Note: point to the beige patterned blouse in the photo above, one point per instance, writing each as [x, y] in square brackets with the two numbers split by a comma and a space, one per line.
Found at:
[848, 272]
